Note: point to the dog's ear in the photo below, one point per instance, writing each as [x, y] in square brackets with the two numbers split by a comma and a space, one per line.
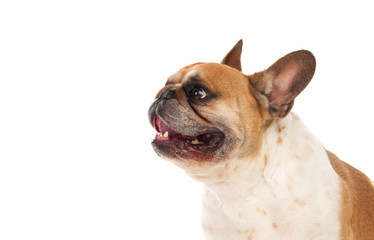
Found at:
[283, 81]
[232, 59]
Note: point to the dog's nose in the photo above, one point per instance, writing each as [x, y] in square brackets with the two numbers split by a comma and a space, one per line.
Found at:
[168, 94]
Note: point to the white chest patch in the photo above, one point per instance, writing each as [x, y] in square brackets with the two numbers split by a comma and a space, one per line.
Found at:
[289, 191]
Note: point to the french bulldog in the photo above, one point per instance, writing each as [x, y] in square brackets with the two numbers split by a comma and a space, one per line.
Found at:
[265, 175]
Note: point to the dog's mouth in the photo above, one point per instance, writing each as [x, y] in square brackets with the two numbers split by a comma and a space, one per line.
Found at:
[205, 143]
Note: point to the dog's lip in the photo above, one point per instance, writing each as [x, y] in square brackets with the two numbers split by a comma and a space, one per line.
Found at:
[204, 142]
[164, 131]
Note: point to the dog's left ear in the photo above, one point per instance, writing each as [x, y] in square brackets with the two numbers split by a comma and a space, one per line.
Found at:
[283, 81]
[232, 59]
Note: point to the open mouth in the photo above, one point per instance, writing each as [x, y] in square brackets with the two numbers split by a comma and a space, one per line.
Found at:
[204, 143]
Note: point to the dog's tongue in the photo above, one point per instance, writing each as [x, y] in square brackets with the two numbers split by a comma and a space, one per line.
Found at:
[162, 128]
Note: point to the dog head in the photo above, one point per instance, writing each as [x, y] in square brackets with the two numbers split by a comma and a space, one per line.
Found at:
[208, 113]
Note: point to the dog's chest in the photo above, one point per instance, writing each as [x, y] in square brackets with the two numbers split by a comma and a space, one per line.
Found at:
[271, 216]
[294, 199]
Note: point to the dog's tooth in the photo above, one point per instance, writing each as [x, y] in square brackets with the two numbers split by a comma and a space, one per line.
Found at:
[195, 142]
[166, 134]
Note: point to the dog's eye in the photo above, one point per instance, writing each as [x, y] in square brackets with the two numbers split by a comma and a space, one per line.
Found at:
[197, 93]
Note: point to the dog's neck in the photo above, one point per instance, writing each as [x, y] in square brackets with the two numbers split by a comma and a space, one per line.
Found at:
[289, 156]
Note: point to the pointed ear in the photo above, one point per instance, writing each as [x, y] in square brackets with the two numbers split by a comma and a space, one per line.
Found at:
[232, 59]
[283, 81]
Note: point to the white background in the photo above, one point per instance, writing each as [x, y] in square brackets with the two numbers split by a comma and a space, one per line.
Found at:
[77, 78]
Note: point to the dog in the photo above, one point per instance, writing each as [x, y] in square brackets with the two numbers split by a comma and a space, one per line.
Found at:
[265, 175]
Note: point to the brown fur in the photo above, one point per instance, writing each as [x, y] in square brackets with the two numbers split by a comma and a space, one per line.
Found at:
[235, 94]
[357, 212]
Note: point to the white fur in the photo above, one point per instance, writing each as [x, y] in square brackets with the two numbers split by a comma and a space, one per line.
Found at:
[295, 196]
[190, 74]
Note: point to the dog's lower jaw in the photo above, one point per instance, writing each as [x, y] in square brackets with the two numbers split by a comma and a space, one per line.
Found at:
[288, 191]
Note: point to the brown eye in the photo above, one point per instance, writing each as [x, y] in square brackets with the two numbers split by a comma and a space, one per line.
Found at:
[197, 93]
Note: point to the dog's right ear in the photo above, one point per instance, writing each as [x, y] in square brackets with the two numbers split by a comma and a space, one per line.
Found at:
[232, 59]
[277, 87]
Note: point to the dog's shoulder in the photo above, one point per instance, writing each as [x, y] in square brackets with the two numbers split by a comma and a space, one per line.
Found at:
[352, 176]
[357, 212]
